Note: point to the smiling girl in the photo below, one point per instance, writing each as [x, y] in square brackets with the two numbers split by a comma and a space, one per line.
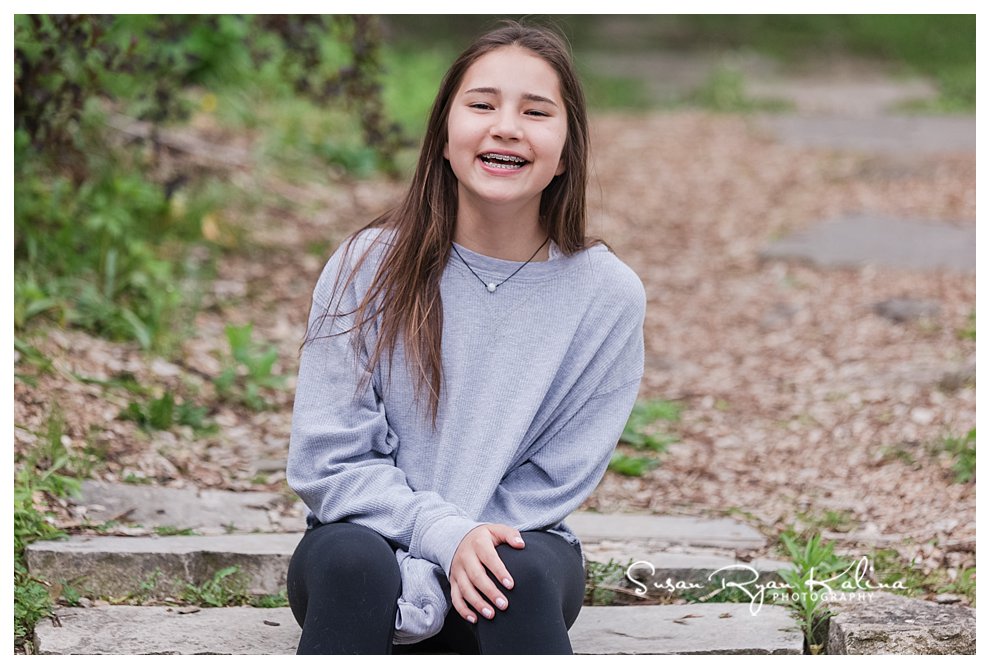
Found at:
[470, 363]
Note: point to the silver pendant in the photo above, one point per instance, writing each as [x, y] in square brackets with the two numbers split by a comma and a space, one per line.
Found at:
[491, 287]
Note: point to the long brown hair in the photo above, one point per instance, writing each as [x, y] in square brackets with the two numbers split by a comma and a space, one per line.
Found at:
[406, 287]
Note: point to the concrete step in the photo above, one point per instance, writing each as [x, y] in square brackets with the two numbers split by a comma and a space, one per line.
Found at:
[220, 512]
[158, 567]
[669, 530]
[118, 568]
[624, 630]
[203, 510]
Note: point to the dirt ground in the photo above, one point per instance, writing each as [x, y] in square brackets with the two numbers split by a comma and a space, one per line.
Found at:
[798, 399]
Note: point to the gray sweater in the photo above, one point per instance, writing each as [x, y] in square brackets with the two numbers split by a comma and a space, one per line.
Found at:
[539, 379]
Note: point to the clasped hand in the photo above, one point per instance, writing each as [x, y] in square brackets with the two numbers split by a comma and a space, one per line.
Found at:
[470, 584]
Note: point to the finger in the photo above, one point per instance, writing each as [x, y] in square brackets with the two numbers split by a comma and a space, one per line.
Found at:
[473, 597]
[493, 562]
[481, 578]
[459, 605]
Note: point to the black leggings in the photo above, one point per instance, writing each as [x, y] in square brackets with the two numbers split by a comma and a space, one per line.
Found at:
[344, 586]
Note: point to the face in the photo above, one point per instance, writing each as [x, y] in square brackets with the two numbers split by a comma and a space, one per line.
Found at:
[506, 129]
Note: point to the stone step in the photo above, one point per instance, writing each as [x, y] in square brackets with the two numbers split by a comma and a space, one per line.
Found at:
[669, 530]
[220, 512]
[159, 567]
[883, 623]
[117, 568]
[203, 510]
[625, 630]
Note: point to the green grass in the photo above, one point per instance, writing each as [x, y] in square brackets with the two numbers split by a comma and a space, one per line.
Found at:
[814, 560]
[962, 450]
[724, 91]
[642, 435]
[248, 369]
[46, 472]
[941, 46]
[890, 567]
[601, 580]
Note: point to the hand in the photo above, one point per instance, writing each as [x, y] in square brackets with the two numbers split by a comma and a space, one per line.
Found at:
[468, 579]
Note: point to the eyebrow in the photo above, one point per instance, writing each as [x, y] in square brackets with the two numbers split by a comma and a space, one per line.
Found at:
[533, 97]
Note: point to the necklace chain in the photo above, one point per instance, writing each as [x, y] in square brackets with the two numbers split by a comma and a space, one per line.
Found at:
[491, 285]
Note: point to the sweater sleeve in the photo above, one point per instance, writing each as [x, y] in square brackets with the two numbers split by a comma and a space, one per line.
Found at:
[340, 460]
[565, 468]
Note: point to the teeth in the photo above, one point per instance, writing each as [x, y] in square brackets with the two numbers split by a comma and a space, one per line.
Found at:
[503, 157]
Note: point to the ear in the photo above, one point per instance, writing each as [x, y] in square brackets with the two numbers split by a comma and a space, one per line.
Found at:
[561, 167]
[446, 150]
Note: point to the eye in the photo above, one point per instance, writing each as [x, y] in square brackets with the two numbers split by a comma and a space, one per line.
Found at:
[480, 105]
[537, 112]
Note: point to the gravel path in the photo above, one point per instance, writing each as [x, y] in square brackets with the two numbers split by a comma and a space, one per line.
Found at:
[799, 399]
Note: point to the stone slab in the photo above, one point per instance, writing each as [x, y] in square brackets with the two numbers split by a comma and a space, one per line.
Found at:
[158, 630]
[863, 239]
[686, 629]
[886, 623]
[681, 571]
[206, 511]
[876, 134]
[672, 530]
[120, 567]
[636, 630]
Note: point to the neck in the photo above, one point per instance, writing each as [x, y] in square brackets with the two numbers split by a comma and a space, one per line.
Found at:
[507, 235]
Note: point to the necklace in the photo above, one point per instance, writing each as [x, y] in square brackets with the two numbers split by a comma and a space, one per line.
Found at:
[491, 285]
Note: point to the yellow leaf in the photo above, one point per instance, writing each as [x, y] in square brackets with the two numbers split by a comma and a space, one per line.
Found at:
[211, 228]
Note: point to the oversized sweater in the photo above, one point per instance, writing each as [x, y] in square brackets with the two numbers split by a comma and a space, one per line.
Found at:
[539, 376]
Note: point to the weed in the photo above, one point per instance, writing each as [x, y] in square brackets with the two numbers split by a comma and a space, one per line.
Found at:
[969, 331]
[225, 588]
[837, 520]
[602, 579]
[271, 601]
[630, 466]
[163, 413]
[814, 561]
[146, 589]
[724, 91]
[43, 473]
[963, 452]
[889, 566]
[28, 355]
[248, 369]
[639, 434]
[172, 531]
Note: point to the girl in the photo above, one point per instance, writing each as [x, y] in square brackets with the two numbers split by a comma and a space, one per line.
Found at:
[470, 364]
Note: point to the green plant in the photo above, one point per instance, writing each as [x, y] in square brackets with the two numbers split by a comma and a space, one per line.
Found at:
[969, 332]
[601, 581]
[814, 563]
[631, 466]
[248, 369]
[963, 452]
[724, 91]
[639, 433]
[172, 531]
[163, 412]
[271, 601]
[225, 588]
[838, 520]
[43, 474]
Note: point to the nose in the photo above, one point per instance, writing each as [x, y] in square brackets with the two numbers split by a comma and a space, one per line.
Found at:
[506, 125]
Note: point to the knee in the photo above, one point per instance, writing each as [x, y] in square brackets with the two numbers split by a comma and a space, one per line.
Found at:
[345, 550]
[531, 570]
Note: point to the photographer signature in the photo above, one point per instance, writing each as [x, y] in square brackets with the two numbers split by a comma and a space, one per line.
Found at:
[757, 592]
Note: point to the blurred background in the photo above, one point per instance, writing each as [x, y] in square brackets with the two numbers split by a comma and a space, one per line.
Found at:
[796, 192]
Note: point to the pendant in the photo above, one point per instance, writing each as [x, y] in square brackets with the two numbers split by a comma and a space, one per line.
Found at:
[491, 287]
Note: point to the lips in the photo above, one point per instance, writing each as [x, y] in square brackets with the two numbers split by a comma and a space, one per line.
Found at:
[502, 161]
